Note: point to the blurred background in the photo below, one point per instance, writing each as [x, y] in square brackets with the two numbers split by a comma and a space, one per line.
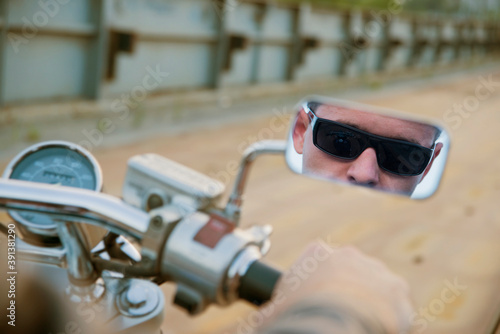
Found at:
[64, 60]
[200, 80]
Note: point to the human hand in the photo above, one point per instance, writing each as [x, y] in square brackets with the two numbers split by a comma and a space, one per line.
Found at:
[347, 278]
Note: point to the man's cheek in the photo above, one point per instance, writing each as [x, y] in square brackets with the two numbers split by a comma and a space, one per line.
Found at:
[321, 164]
[400, 185]
[311, 163]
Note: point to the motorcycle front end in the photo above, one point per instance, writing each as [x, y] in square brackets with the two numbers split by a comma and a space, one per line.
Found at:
[170, 226]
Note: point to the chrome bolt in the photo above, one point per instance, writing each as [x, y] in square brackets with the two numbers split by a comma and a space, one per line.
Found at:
[154, 201]
[139, 299]
[136, 297]
[157, 221]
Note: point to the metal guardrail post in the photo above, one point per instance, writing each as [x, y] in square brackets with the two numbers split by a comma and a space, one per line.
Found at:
[459, 40]
[220, 7]
[385, 44]
[4, 28]
[345, 60]
[414, 45]
[262, 9]
[99, 51]
[296, 40]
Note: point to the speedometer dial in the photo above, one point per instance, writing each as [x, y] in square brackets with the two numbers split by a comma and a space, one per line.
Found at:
[58, 163]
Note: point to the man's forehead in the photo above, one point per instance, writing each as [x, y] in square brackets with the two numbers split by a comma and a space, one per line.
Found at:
[329, 110]
[382, 125]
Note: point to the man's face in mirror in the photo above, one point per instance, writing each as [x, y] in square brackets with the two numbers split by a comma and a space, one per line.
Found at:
[363, 170]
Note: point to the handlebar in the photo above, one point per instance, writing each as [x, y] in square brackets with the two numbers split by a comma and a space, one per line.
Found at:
[258, 283]
[74, 205]
[80, 205]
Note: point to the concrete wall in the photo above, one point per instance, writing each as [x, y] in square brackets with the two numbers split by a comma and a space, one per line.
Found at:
[88, 49]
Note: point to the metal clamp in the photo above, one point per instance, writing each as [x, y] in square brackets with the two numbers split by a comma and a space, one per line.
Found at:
[162, 222]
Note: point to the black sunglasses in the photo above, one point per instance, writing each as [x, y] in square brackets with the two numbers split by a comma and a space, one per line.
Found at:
[346, 142]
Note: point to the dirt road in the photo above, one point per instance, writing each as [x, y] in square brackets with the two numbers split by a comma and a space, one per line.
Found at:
[451, 238]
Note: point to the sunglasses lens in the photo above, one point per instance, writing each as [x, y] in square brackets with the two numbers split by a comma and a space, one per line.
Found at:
[338, 141]
[403, 159]
[393, 156]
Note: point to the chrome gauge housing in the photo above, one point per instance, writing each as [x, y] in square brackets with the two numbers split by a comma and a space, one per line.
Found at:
[53, 162]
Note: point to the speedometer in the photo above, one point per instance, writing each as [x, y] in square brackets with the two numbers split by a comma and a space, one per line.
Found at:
[58, 163]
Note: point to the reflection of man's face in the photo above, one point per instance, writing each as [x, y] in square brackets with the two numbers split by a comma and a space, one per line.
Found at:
[364, 170]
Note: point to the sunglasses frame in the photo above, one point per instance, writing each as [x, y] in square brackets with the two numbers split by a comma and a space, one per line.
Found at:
[313, 118]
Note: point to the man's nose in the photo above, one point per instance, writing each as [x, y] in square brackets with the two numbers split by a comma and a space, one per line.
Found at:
[364, 169]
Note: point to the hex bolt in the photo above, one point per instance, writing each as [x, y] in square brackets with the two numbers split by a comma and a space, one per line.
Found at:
[157, 221]
[139, 299]
[154, 201]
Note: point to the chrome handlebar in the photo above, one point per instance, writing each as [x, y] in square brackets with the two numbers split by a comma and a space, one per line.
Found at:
[75, 205]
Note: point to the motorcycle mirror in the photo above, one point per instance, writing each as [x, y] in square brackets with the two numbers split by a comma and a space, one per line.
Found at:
[367, 146]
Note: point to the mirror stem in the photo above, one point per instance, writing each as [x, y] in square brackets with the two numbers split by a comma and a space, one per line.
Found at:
[233, 207]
